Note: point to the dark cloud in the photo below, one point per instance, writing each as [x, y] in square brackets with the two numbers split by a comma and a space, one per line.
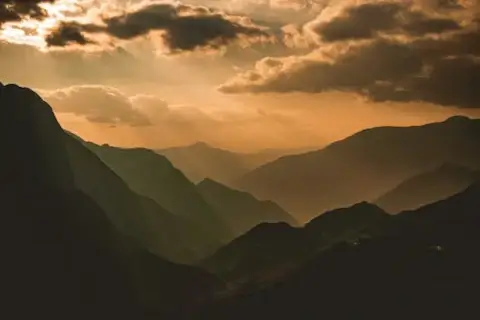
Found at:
[360, 22]
[423, 25]
[450, 82]
[361, 66]
[99, 104]
[396, 51]
[183, 27]
[16, 10]
[442, 71]
[365, 21]
[65, 34]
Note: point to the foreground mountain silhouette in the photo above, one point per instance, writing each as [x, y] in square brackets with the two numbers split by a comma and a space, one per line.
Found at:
[63, 256]
[424, 264]
[272, 250]
[240, 210]
[428, 187]
[363, 166]
[200, 160]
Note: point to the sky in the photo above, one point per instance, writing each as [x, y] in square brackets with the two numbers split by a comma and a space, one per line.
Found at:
[243, 74]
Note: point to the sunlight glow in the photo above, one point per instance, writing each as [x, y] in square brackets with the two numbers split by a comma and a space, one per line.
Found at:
[32, 32]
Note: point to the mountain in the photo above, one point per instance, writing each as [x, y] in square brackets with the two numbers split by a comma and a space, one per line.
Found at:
[272, 250]
[167, 234]
[428, 187]
[200, 160]
[363, 166]
[425, 264]
[153, 176]
[62, 255]
[240, 210]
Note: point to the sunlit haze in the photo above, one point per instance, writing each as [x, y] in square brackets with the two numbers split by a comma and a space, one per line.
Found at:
[144, 79]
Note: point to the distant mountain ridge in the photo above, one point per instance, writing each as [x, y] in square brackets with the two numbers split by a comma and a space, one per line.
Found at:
[240, 210]
[363, 166]
[429, 187]
[200, 160]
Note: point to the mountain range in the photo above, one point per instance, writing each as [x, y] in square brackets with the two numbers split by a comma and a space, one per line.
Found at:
[98, 231]
[423, 263]
[363, 166]
[271, 250]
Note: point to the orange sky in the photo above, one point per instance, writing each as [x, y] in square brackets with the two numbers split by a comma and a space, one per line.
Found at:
[131, 91]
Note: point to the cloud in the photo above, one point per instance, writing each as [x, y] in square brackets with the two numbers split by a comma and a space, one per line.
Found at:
[355, 67]
[367, 20]
[66, 34]
[16, 10]
[360, 57]
[98, 104]
[180, 27]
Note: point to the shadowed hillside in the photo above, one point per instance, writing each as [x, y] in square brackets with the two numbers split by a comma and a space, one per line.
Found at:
[272, 250]
[64, 257]
[424, 264]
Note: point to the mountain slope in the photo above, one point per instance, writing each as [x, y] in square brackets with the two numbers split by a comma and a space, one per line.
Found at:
[200, 161]
[153, 176]
[363, 166]
[240, 210]
[159, 230]
[62, 257]
[428, 187]
[269, 251]
[426, 266]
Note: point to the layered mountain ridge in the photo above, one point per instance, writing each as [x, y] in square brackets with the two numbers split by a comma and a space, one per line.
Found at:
[87, 229]
[362, 167]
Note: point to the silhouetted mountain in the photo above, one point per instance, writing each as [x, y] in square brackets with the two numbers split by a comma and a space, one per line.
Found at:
[200, 161]
[425, 265]
[240, 210]
[62, 257]
[162, 232]
[428, 187]
[153, 176]
[269, 251]
[363, 166]
[347, 224]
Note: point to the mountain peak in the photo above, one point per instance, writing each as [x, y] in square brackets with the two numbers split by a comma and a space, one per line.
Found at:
[458, 119]
[34, 136]
[209, 182]
[355, 213]
[201, 144]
